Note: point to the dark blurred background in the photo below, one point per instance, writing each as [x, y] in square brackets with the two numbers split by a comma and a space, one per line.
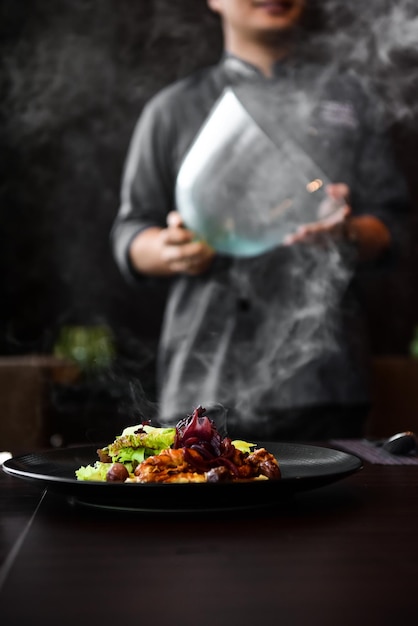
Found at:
[74, 75]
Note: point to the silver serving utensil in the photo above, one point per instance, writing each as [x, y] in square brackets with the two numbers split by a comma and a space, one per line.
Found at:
[400, 444]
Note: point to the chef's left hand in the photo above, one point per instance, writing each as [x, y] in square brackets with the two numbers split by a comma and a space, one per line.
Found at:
[370, 236]
[335, 225]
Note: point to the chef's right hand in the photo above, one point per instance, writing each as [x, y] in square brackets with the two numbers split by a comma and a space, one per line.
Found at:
[171, 250]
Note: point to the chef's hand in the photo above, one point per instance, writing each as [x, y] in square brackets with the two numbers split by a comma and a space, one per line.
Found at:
[334, 225]
[171, 250]
[370, 236]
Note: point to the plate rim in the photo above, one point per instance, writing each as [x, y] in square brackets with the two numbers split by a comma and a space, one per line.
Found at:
[355, 464]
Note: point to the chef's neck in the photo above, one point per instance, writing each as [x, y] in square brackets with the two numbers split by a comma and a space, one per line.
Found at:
[263, 55]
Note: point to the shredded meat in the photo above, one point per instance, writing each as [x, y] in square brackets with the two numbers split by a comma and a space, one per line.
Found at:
[182, 465]
[104, 455]
[264, 463]
[166, 467]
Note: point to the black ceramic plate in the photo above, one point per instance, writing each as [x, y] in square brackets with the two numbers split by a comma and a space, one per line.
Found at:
[302, 466]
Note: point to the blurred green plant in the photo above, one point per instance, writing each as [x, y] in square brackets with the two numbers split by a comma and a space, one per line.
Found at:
[413, 349]
[91, 347]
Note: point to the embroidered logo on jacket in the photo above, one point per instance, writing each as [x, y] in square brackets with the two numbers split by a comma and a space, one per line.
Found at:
[337, 113]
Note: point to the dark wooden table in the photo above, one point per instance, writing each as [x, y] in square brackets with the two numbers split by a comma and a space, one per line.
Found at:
[345, 554]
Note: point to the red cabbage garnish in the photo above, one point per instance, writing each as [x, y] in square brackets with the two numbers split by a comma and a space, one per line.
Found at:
[204, 446]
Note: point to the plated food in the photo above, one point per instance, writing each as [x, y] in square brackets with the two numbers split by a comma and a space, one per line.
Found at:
[192, 451]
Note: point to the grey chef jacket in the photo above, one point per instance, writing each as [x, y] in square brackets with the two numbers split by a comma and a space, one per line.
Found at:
[283, 329]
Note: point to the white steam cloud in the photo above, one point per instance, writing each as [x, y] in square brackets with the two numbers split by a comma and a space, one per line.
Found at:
[379, 41]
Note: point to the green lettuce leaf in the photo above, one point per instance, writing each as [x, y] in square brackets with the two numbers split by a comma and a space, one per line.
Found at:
[130, 457]
[97, 471]
[153, 440]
